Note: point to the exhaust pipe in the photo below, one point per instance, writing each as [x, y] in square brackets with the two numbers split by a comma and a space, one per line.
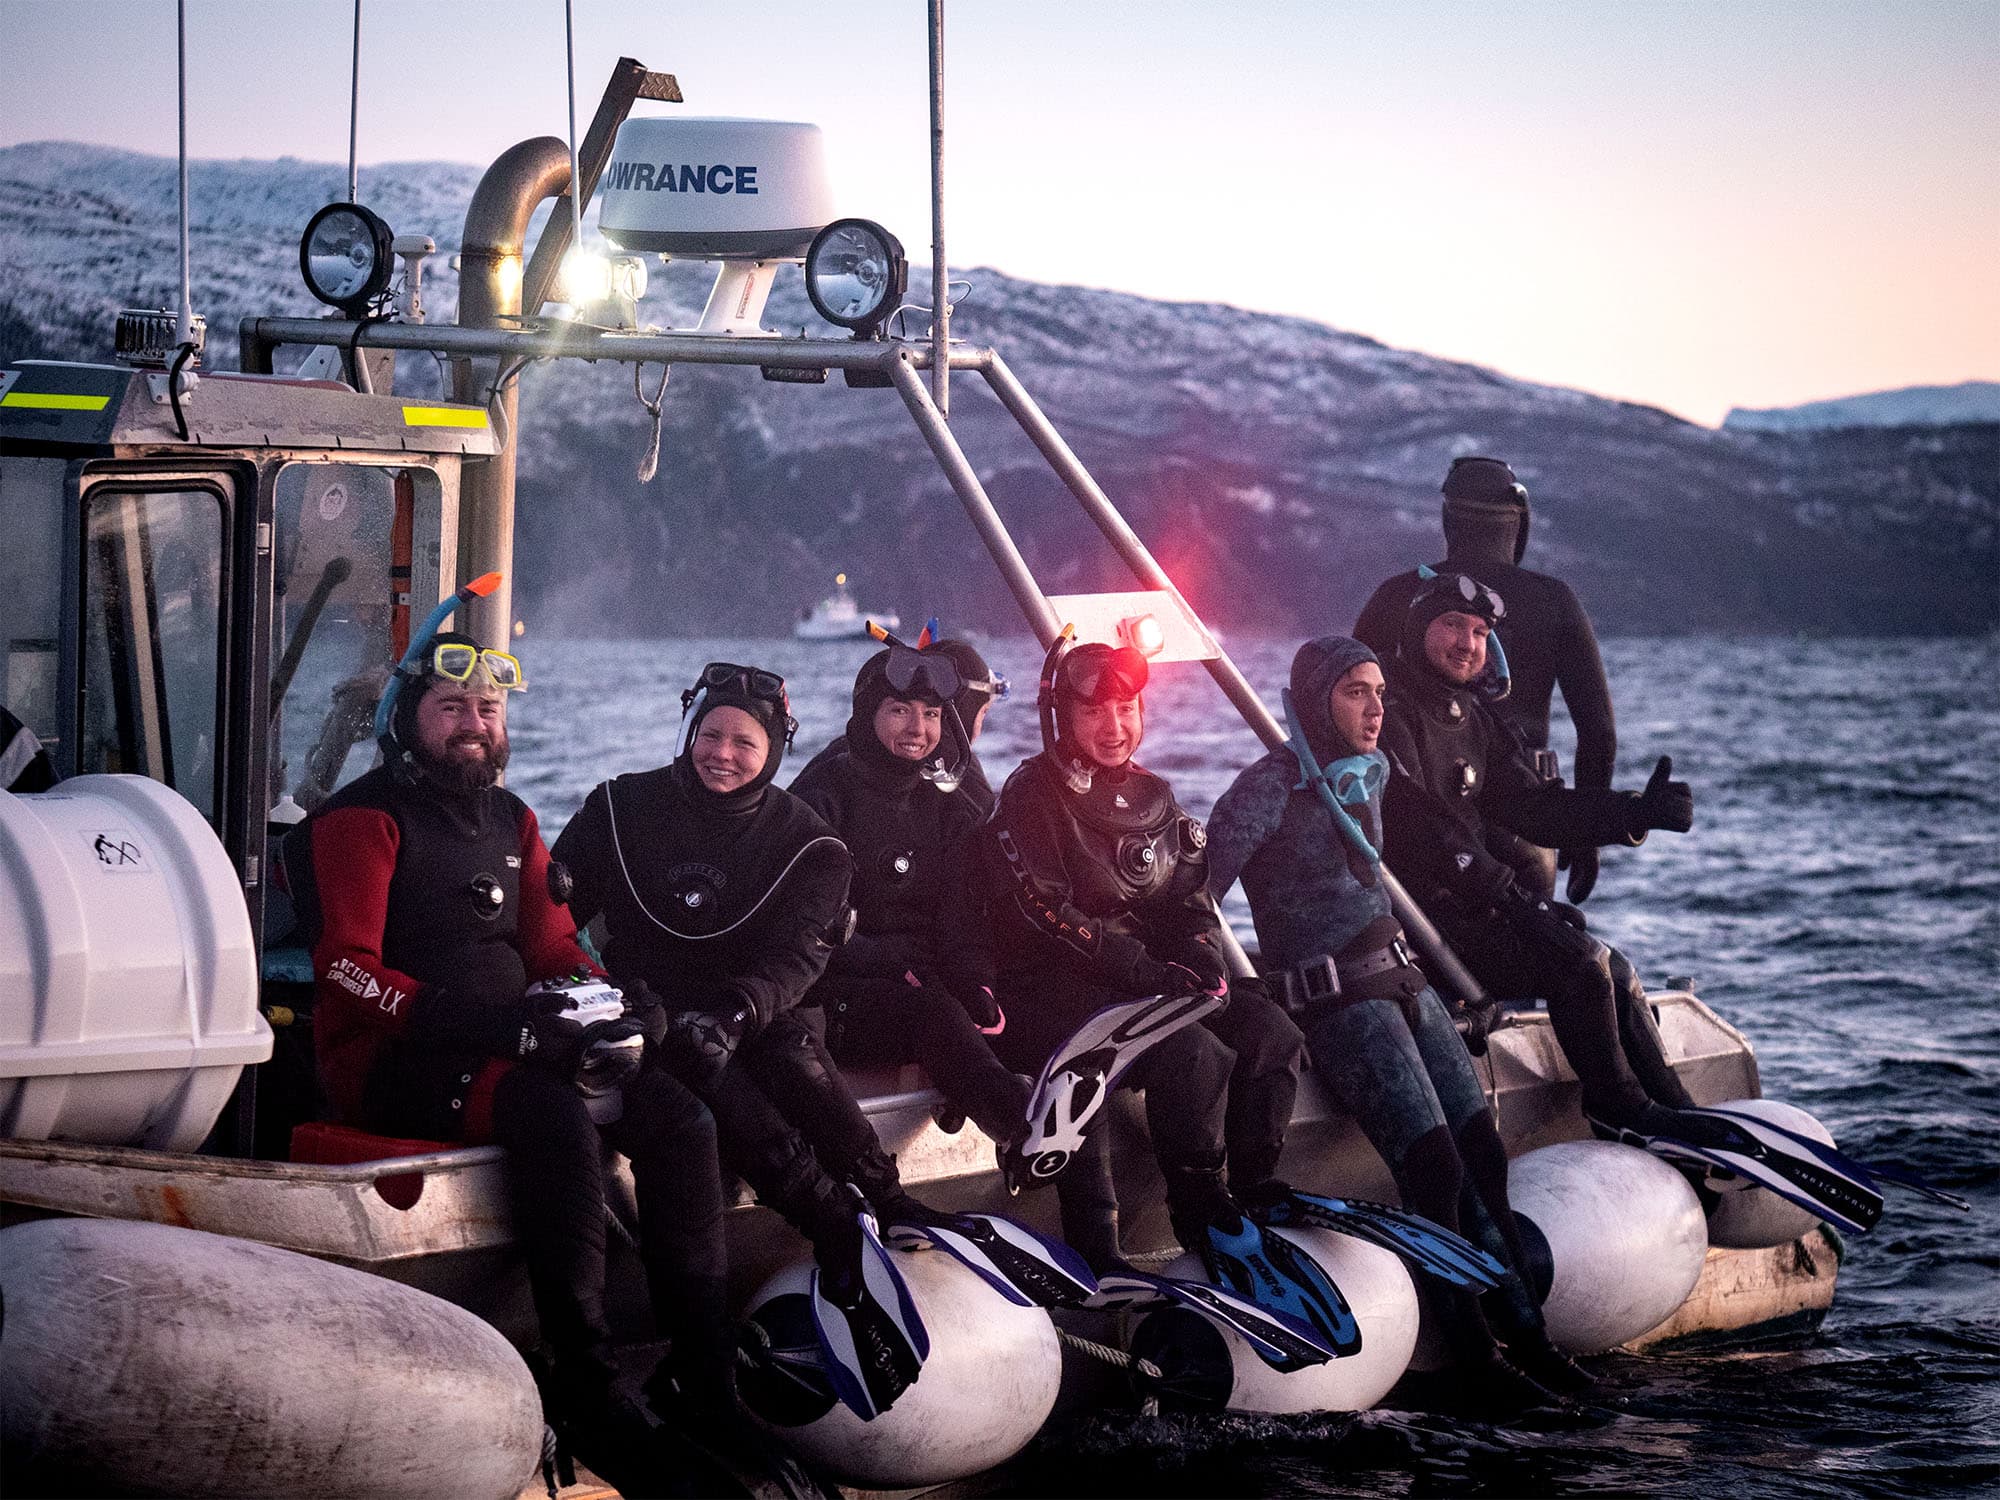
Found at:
[489, 296]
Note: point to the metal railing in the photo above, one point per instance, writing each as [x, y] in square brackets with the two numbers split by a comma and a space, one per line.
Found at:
[902, 363]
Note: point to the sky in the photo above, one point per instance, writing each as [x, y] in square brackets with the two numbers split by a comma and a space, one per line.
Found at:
[1695, 204]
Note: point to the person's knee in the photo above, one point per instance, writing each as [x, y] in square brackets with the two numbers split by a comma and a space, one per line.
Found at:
[1194, 1059]
[1263, 1037]
[1431, 1170]
[526, 1099]
[663, 1111]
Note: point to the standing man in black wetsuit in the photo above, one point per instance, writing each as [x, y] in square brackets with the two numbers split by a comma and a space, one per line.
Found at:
[1549, 644]
[423, 890]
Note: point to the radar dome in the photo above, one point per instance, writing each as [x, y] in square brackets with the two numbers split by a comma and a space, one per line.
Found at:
[715, 189]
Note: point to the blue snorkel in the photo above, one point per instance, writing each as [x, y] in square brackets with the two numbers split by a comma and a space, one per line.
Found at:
[1361, 775]
[410, 667]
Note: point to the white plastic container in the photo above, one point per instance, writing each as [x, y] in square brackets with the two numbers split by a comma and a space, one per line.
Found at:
[128, 977]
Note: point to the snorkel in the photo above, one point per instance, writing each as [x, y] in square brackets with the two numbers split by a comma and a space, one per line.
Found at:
[945, 778]
[1076, 773]
[411, 666]
[1359, 776]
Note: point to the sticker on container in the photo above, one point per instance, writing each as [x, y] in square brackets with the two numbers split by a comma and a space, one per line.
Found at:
[117, 851]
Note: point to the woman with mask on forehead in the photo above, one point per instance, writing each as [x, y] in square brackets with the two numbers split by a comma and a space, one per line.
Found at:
[725, 894]
[1099, 895]
[1302, 827]
[913, 982]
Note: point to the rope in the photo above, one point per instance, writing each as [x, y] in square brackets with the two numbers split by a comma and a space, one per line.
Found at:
[650, 464]
[1117, 1358]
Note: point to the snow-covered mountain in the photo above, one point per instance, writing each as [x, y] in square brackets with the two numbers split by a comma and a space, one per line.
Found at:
[1909, 406]
[1279, 467]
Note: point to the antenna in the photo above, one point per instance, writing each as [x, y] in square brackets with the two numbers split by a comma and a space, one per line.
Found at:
[940, 287]
[354, 114]
[184, 325]
[575, 176]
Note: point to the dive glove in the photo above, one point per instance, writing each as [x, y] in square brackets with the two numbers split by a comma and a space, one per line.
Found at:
[1665, 803]
[1208, 965]
[518, 1029]
[649, 1011]
[547, 1036]
[1582, 867]
[1475, 1023]
[700, 1043]
[1155, 978]
[1554, 925]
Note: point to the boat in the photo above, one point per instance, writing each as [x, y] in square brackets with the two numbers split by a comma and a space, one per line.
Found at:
[838, 618]
[112, 471]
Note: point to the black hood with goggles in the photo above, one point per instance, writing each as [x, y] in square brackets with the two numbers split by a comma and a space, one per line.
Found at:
[758, 693]
[1440, 594]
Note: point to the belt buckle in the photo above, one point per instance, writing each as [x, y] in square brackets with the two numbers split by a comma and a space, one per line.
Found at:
[1319, 979]
[1402, 952]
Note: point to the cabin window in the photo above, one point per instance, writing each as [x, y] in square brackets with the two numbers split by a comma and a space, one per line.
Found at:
[151, 689]
[343, 581]
[31, 577]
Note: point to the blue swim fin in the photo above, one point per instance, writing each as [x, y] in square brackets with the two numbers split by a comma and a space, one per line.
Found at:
[1806, 1172]
[1028, 1269]
[871, 1338]
[1279, 1277]
[1429, 1247]
[1875, 1171]
[1278, 1339]
[1080, 1075]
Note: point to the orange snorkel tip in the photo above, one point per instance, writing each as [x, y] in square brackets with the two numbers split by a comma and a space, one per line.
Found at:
[483, 585]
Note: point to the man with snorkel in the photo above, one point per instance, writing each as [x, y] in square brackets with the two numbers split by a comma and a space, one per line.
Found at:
[1456, 767]
[1302, 828]
[445, 1010]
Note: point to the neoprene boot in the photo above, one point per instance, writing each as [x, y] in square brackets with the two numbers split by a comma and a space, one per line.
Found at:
[874, 1172]
[1488, 1379]
[1088, 1199]
[1197, 1199]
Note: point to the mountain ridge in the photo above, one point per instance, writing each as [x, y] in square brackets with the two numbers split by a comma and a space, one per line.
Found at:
[1279, 467]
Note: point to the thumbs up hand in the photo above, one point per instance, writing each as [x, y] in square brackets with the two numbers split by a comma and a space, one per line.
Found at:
[1665, 803]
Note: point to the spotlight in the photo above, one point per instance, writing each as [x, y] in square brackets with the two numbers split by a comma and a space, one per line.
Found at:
[855, 274]
[344, 257]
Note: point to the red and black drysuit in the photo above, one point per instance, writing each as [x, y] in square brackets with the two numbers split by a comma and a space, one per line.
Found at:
[913, 983]
[724, 903]
[1093, 896]
[429, 915]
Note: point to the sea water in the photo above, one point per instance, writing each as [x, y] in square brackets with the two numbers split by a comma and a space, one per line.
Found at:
[1838, 901]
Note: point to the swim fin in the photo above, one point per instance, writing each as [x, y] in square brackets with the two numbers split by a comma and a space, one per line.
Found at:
[1028, 1269]
[1806, 1172]
[1899, 1176]
[1427, 1246]
[1279, 1339]
[871, 1338]
[1279, 1277]
[1081, 1073]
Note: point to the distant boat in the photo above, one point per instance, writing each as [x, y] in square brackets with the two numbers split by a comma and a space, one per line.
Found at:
[838, 618]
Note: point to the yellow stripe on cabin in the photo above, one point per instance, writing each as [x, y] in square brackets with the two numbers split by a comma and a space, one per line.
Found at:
[442, 416]
[54, 401]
